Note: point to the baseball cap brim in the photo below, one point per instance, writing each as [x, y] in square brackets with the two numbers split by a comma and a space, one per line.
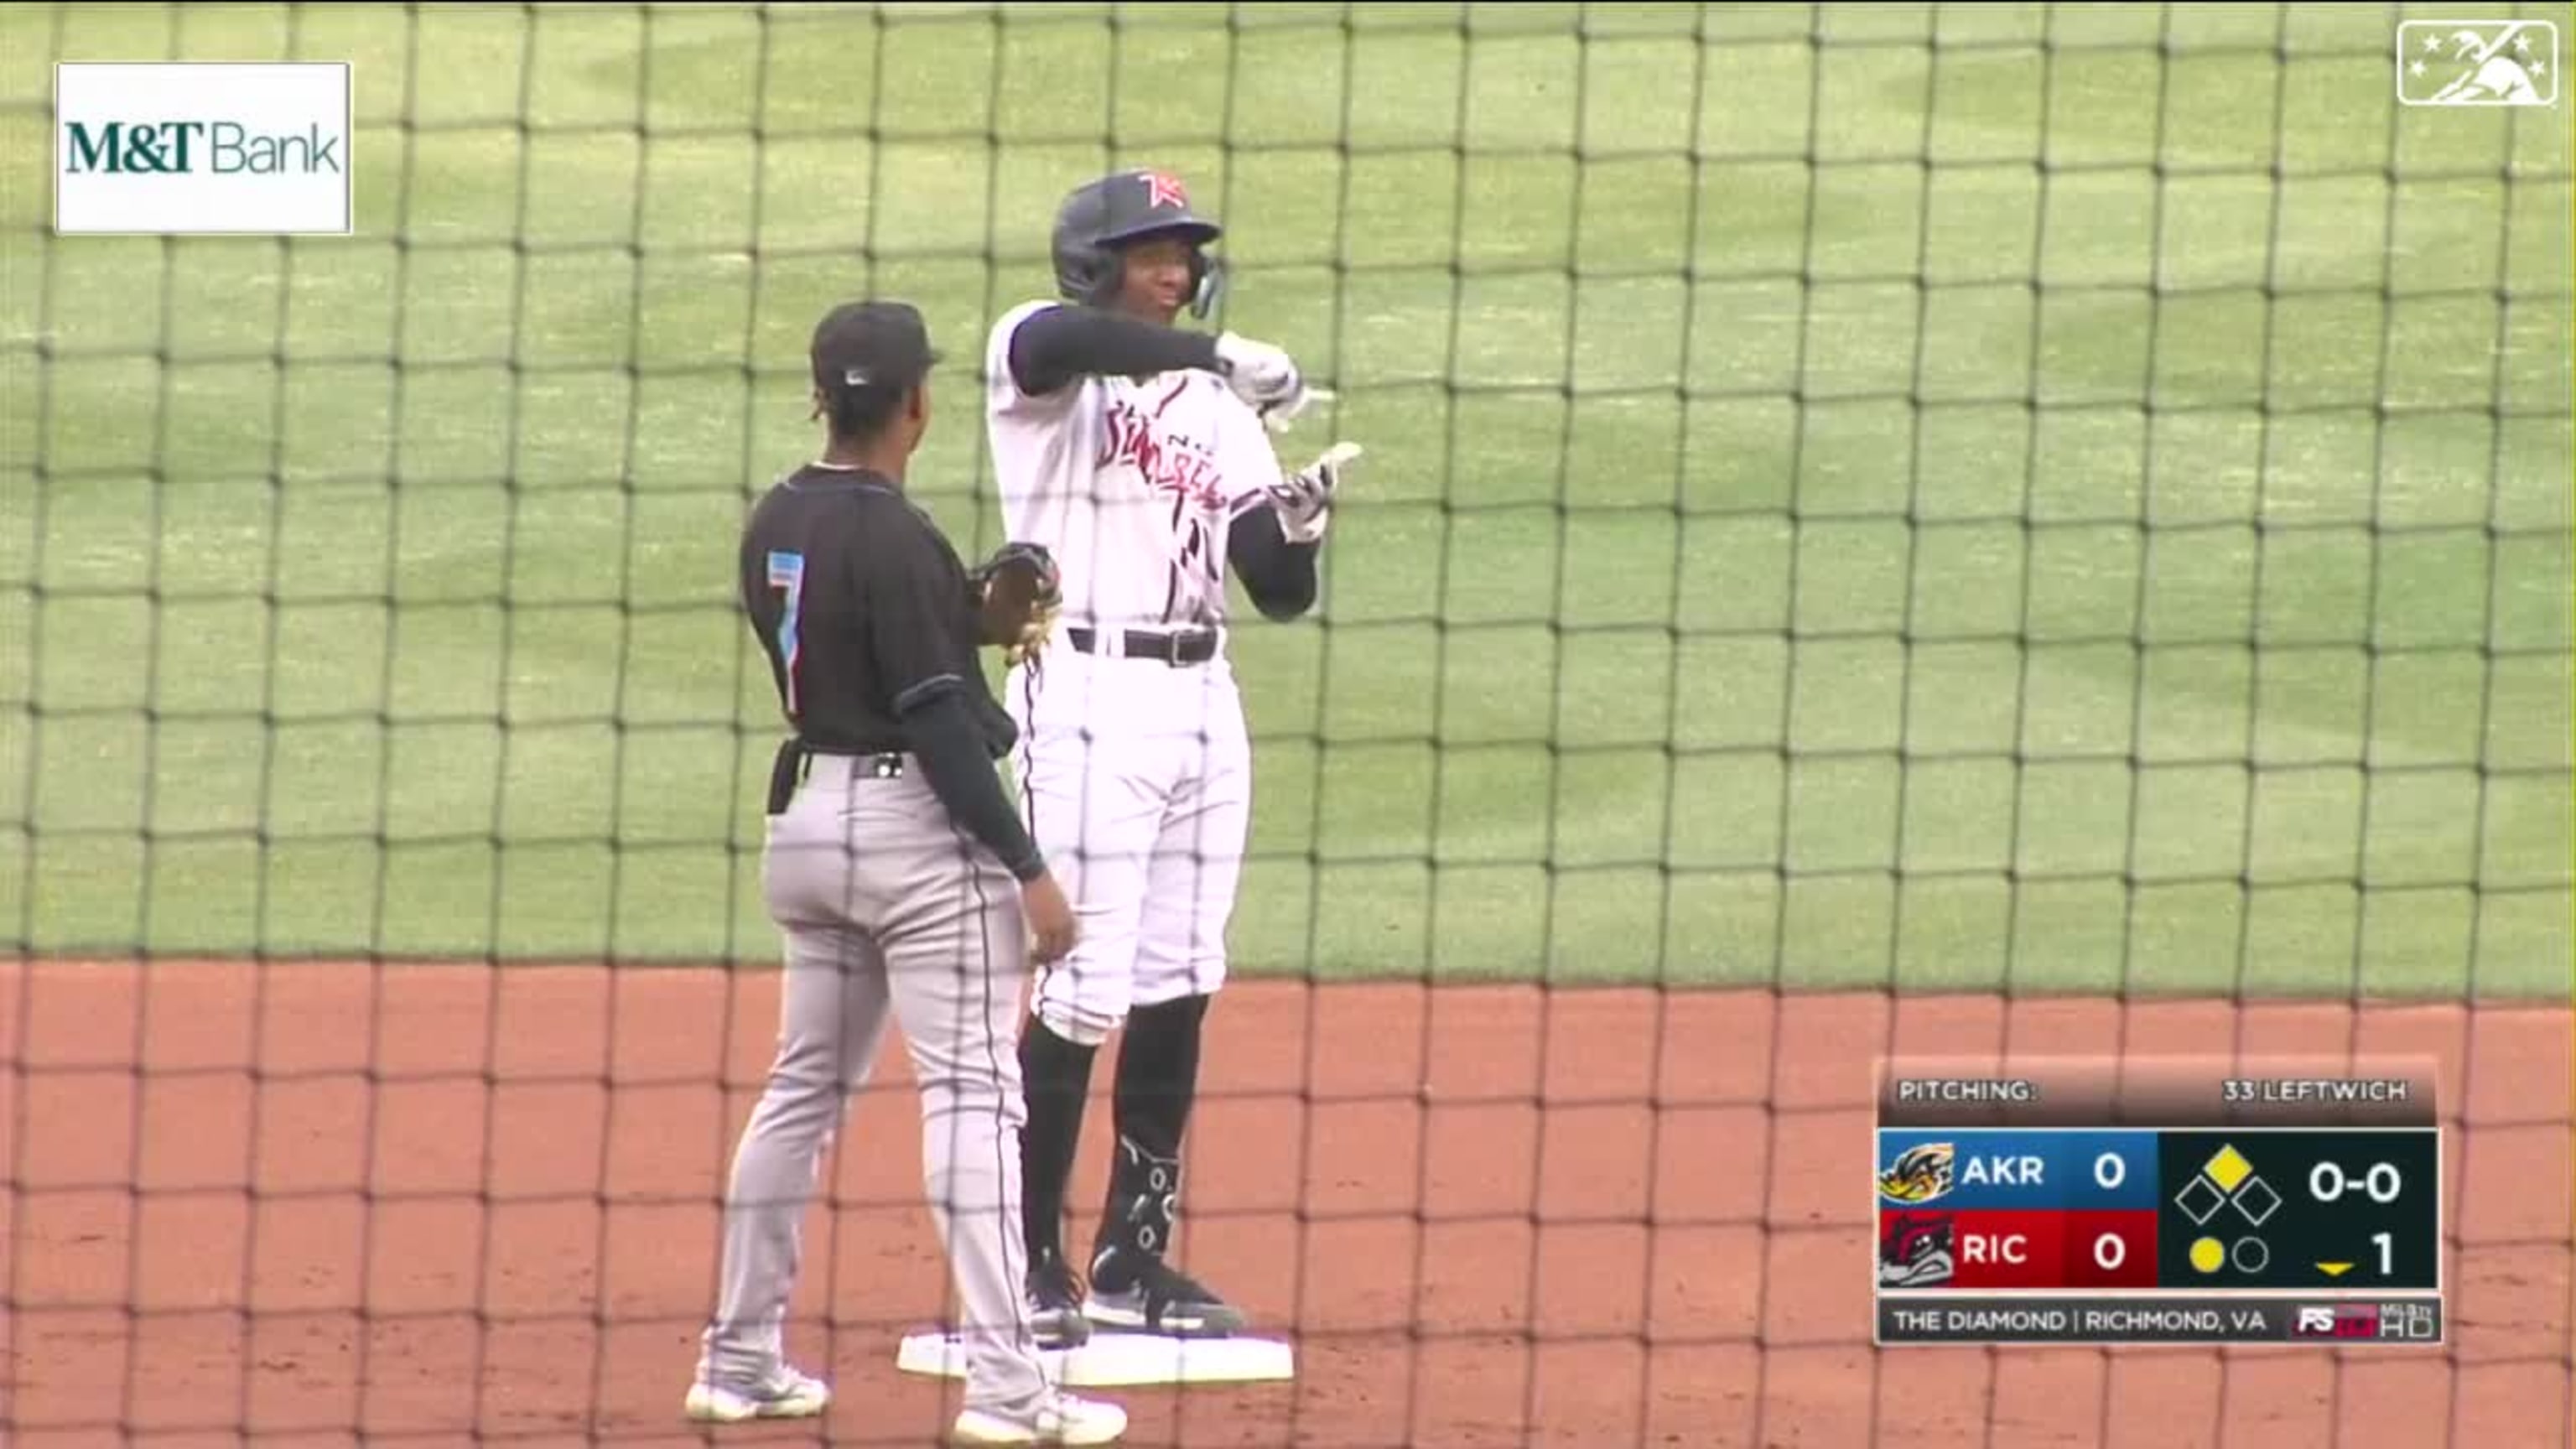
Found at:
[872, 344]
[1195, 230]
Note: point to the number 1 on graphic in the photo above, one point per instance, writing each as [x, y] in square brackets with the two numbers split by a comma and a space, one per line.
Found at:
[787, 575]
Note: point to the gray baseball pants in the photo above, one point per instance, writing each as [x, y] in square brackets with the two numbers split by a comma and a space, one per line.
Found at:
[891, 913]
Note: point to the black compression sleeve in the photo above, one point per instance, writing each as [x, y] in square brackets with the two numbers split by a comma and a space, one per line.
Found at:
[1279, 575]
[1053, 347]
[943, 736]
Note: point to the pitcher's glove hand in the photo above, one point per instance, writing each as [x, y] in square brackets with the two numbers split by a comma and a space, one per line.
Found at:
[1017, 594]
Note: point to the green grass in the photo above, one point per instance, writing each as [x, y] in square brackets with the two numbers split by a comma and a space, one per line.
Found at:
[1684, 649]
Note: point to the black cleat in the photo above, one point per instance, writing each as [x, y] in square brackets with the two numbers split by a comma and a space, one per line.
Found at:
[1135, 1293]
[1055, 1305]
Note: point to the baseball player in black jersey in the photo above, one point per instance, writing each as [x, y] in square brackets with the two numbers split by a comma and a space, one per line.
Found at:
[905, 887]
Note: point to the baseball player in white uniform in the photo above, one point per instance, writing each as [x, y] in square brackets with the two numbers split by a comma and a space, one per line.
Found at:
[1140, 454]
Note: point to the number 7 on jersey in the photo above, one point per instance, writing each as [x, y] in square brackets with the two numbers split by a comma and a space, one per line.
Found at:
[787, 575]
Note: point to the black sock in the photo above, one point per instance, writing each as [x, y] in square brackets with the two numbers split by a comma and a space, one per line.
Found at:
[1158, 1070]
[1057, 1077]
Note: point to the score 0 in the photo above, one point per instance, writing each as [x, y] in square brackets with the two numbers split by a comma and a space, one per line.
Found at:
[2110, 1250]
[2111, 1230]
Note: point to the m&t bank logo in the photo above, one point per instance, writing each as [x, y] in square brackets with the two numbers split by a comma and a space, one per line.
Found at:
[177, 148]
[157, 148]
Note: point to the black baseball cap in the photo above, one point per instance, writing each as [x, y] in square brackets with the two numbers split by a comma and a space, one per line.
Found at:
[871, 345]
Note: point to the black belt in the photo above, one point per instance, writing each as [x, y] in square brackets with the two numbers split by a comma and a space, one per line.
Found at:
[787, 770]
[1194, 646]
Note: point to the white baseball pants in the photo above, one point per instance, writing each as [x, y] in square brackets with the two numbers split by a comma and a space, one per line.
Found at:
[1136, 781]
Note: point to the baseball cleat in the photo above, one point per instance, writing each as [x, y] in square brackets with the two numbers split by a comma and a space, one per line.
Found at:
[1062, 1419]
[1151, 1296]
[786, 1394]
[1055, 1306]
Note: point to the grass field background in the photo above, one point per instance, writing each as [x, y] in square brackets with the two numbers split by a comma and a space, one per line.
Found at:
[1715, 605]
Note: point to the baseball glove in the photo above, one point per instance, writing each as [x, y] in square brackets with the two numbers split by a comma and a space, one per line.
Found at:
[1017, 593]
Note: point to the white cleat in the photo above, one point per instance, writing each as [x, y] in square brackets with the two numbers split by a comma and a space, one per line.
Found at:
[786, 1395]
[1063, 1419]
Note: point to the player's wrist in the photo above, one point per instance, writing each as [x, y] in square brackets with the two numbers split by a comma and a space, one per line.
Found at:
[1306, 530]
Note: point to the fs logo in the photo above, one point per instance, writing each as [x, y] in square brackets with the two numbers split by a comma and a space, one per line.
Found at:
[1921, 1173]
[2338, 1320]
[2477, 63]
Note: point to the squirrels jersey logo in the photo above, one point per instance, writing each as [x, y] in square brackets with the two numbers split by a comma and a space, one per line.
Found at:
[1183, 482]
[1169, 462]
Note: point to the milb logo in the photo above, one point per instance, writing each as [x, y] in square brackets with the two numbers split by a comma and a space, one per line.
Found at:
[182, 148]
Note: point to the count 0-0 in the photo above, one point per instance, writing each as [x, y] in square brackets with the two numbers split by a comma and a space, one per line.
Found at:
[2380, 1182]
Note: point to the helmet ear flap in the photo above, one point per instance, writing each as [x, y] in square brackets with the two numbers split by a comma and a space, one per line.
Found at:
[1207, 281]
[1088, 274]
[1099, 275]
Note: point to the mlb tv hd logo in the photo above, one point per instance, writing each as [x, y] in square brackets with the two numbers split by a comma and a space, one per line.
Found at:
[2477, 63]
[202, 148]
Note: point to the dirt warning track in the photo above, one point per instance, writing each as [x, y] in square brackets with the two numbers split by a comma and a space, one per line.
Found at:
[335, 1203]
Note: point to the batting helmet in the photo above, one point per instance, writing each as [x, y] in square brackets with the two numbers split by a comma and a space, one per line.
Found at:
[1101, 217]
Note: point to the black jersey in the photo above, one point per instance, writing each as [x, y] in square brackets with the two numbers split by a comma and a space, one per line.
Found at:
[863, 608]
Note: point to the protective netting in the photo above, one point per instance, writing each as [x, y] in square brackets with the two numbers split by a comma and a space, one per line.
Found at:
[1884, 528]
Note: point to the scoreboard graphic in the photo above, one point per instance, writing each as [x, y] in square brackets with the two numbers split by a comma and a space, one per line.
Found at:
[2171, 1200]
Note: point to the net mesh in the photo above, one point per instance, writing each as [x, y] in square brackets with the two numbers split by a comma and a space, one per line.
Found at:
[1885, 528]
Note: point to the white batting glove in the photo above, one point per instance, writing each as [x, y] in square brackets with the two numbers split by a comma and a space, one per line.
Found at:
[1304, 499]
[1278, 416]
[1265, 377]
